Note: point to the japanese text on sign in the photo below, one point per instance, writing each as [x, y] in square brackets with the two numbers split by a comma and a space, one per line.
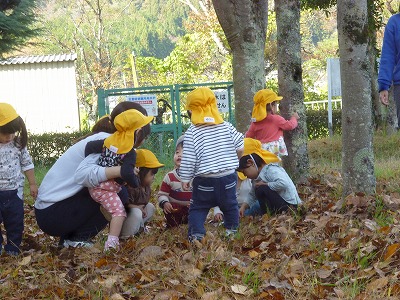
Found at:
[149, 102]
[222, 100]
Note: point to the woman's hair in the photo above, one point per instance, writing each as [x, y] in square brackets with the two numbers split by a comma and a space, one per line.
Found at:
[106, 124]
[143, 171]
[123, 106]
[243, 161]
[18, 127]
[103, 125]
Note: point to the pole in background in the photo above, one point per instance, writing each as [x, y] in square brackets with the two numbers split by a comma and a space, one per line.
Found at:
[334, 87]
[134, 73]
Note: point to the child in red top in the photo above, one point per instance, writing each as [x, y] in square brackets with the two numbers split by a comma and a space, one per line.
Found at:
[267, 126]
[172, 198]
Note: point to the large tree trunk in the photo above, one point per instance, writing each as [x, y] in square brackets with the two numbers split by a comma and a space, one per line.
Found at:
[291, 86]
[244, 23]
[357, 154]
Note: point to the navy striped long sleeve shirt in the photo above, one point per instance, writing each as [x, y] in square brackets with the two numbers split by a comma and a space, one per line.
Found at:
[210, 149]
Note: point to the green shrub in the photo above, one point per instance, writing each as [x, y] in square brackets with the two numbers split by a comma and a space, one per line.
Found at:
[317, 123]
[46, 148]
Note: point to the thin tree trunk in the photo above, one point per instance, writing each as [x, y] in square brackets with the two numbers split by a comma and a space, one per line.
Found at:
[244, 23]
[291, 86]
[357, 154]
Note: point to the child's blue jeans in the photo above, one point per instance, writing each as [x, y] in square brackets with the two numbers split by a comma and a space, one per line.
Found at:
[209, 192]
[12, 216]
[254, 210]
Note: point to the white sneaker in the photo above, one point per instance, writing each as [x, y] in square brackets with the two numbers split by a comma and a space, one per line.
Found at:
[77, 244]
[230, 233]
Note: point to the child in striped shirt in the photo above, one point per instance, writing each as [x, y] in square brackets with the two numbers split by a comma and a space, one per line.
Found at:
[172, 199]
[210, 158]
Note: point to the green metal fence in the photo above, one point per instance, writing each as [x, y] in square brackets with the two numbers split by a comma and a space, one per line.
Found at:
[171, 118]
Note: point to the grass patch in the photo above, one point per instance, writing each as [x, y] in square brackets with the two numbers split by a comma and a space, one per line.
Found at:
[326, 157]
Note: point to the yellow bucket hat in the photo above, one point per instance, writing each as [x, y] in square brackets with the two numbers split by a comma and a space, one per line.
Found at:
[261, 99]
[126, 124]
[7, 113]
[254, 146]
[146, 158]
[203, 104]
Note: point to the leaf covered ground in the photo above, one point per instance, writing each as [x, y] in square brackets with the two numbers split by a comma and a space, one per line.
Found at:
[322, 251]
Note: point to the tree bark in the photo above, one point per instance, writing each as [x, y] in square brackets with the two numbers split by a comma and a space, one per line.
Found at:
[244, 23]
[291, 86]
[357, 153]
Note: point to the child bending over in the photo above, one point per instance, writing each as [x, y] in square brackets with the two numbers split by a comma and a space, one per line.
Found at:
[272, 186]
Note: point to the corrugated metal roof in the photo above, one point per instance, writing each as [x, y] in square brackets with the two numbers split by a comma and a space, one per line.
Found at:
[19, 60]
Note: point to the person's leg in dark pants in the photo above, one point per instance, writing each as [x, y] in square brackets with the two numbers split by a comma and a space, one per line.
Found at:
[77, 218]
[227, 201]
[1, 221]
[270, 200]
[396, 97]
[203, 199]
[13, 219]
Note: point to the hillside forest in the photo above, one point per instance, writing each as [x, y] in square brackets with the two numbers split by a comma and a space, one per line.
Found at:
[171, 41]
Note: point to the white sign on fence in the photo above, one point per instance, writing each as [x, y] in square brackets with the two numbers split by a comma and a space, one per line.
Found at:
[334, 85]
[149, 102]
[222, 100]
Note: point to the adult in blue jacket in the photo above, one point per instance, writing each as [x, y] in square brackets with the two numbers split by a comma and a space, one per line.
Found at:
[389, 67]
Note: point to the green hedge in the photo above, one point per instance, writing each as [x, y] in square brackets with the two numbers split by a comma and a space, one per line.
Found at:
[317, 123]
[46, 148]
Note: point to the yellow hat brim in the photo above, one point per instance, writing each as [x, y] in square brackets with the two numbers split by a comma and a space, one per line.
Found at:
[241, 176]
[146, 158]
[7, 113]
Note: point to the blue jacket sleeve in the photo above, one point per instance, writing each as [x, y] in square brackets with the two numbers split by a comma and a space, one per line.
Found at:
[389, 52]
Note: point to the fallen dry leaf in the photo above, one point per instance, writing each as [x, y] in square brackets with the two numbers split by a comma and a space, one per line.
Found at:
[239, 289]
[391, 250]
[324, 273]
[25, 261]
[167, 295]
[377, 284]
[116, 297]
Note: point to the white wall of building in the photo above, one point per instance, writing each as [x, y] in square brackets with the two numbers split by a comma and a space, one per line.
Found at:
[43, 91]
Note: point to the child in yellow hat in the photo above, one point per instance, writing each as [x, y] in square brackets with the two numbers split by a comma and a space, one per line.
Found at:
[267, 126]
[272, 186]
[117, 150]
[139, 206]
[15, 161]
[210, 158]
